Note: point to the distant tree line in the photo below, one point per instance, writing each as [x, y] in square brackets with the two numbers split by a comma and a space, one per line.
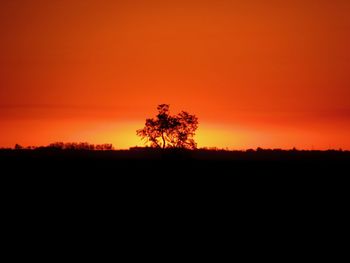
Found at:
[80, 146]
[107, 147]
[70, 146]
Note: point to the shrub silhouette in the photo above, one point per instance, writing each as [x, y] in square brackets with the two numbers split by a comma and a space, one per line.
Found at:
[167, 131]
[18, 147]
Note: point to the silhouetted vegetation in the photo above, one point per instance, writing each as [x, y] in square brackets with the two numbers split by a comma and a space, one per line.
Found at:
[84, 158]
[150, 153]
[69, 146]
[80, 146]
[167, 131]
[79, 160]
[18, 146]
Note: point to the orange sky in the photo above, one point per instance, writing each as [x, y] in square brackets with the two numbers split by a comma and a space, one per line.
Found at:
[273, 74]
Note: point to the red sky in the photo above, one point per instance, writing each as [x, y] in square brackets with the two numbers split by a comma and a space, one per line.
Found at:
[273, 74]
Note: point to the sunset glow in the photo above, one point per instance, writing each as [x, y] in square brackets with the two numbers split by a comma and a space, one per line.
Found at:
[271, 74]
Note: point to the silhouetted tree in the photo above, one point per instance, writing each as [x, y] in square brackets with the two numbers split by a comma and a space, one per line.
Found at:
[166, 131]
[18, 146]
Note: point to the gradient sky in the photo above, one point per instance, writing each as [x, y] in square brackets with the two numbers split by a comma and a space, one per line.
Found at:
[273, 74]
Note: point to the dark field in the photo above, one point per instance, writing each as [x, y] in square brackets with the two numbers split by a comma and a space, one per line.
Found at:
[138, 182]
[151, 162]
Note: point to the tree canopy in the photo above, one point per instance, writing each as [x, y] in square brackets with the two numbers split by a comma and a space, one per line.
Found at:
[167, 131]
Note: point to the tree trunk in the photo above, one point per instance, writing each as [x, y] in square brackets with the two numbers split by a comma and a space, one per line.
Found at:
[163, 140]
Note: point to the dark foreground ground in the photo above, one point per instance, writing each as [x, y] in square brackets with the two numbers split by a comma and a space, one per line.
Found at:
[286, 192]
[202, 175]
[149, 163]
